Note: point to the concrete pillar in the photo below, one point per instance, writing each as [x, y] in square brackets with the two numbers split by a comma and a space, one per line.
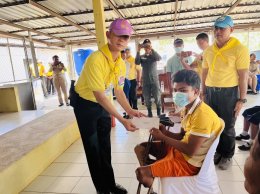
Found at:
[34, 60]
[71, 65]
[100, 25]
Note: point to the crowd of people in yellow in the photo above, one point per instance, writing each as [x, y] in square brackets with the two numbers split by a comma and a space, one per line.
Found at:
[209, 91]
[218, 76]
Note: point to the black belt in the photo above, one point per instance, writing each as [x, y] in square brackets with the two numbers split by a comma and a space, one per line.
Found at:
[218, 89]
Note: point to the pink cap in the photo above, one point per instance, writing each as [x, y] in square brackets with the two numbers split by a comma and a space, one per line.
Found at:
[121, 27]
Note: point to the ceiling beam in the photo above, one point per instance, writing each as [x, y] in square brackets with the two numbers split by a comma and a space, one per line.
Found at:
[232, 7]
[118, 13]
[60, 17]
[175, 13]
[20, 37]
[29, 29]
[70, 37]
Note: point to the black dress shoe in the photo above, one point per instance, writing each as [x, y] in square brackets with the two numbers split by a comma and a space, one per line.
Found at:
[245, 147]
[61, 104]
[118, 189]
[242, 137]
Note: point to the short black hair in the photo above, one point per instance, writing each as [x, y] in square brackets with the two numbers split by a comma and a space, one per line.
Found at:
[252, 54]
[147, 41]
[55, 56]
[122, 51]
[203, 36]
[178, 41]
[189, 77]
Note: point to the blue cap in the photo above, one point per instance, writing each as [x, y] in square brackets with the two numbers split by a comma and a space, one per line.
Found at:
[224, 22]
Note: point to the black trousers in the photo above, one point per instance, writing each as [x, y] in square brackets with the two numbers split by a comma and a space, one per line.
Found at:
[95, 125]
[252, 115]
[223, 102]
[132, 94]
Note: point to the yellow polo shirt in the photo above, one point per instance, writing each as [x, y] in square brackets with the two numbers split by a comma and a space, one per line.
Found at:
[133, 68]
[100, 73]
[198, 69]
[202, 121]
[223, 63]
[41, 69]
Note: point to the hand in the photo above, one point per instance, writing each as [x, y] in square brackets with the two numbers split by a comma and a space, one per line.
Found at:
[162, 128]
[173, 113]
[135, 113]
[157, 134]
[139, 84]
[238, 107]
[129, 125]
[186, 54]
[198, 56]
[140, 46]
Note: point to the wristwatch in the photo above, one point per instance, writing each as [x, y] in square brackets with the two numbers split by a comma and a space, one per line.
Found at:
[242, 100]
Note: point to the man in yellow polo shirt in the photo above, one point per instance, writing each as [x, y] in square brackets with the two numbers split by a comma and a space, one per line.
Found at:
[184, 152]
[135, 78]
[103, 71]
[41, 70]
[224, 84]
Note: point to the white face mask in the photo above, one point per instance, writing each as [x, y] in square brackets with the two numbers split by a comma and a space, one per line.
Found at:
[181, 99]
[178, 49]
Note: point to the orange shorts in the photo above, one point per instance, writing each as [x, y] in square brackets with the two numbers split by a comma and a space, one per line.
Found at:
[173, 165]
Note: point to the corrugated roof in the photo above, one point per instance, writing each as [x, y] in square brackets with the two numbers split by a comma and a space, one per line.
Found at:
[146, 16]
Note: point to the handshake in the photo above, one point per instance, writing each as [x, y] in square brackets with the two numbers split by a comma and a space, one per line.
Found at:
[186, 54]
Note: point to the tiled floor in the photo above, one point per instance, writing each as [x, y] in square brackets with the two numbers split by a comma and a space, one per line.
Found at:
[69, 172]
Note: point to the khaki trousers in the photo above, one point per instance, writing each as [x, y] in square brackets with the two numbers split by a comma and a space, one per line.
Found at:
[60, 85]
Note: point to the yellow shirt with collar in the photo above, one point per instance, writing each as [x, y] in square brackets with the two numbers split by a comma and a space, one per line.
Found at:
[41, 69]
[198, 69]
[100, 73]
[223, 63]
[202, 121]
[133, 68]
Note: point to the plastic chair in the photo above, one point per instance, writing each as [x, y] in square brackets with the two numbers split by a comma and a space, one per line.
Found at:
[206, 181]
[166, 91]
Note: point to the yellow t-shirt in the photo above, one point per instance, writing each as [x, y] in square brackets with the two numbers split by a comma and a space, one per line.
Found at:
[49, 73]
[198, 69]
[133, 68]
[100, 73]
[202, 121]
[41, 69]
[223, 63]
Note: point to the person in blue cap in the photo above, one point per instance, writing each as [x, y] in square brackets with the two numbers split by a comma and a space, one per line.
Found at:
[224, 84]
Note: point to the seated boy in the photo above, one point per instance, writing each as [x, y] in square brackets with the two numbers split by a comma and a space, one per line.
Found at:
[183, 153]
[251, 120]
